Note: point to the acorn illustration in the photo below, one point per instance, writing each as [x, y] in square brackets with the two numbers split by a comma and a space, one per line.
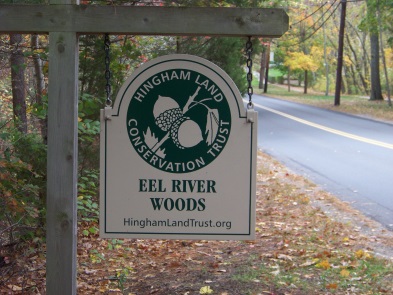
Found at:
[169, 117]
[186, 133]
[166, 111]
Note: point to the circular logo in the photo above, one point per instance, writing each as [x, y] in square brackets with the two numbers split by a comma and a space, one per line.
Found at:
[178, 120]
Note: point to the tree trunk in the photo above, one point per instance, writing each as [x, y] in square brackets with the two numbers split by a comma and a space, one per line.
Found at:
[362, 58]
[267, 68]
[356, 88]
[178, 44]
[366, 63]
[40, 84]
[383, 57]
[289, 79]
[83, 64]
[263, 68]
[18, 83]
[325, 54]
[344, 82]
[305, 81]
[376, 91]
[358, 66]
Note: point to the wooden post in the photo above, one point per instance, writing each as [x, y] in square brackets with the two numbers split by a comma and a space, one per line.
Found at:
[340, 53]
[61, 233]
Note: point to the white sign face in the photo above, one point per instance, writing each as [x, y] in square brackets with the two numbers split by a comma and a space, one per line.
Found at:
[178, 155]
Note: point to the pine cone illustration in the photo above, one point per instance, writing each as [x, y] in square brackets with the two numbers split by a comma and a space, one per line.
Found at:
[166, 111]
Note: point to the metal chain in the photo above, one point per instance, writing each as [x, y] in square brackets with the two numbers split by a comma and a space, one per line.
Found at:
[108, 74]
[250, 90]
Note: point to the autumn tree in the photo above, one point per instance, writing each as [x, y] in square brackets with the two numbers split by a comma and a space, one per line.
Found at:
[371, 25]
[381, 27]
[358, 57]
[304, 62]
[297, 44]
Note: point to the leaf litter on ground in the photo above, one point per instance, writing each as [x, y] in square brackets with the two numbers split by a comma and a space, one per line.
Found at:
[308, 242]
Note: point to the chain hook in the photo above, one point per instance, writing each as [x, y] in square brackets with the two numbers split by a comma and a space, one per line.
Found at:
[108, 74]
[250, 90]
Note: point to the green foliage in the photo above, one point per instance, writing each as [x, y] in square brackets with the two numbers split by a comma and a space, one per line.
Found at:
[227, 53]
[88, 135]
[88, 131]
[115, 243]
[87, 197]
[23, 174]
[96, 257]
[22, 186]
[122, 276]
[40, 110]
[89, 110]
[378, 12]
[124, 54]
[274, 72]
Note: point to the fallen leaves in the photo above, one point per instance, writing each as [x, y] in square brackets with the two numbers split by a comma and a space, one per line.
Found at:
[345, 273]
[361, 254]
[284, 257]
[332, 286]
[206, 290]
[323, 264]
[14, 288]
[297, 245]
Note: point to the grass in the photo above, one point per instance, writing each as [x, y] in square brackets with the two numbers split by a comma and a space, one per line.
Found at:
[305, 251]
[275, 73]
[334, 270]
[352, 104]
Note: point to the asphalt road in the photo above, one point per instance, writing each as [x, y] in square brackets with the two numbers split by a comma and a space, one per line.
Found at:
[349, 156]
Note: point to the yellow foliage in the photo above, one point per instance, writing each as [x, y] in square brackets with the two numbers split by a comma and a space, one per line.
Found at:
[301, 61]
[317, 53]
[347, 61]
[345, 273]
[389, 57]
[324, 264]
[206, 290]
[362, 254]
[359, 253]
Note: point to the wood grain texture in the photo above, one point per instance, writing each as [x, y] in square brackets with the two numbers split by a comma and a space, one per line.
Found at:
[62, 164]
[187, 21]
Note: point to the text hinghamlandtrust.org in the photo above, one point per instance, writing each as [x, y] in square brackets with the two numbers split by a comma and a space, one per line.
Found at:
[190, 222]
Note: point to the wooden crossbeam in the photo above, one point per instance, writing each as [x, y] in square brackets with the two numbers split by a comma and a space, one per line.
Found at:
[186, 21]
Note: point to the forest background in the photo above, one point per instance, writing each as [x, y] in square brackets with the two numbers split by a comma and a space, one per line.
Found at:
[306, 55]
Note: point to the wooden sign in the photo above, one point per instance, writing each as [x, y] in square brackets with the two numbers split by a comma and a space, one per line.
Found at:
[178, 155]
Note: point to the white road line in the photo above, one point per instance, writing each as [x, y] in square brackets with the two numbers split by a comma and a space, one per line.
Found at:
[331, 130]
